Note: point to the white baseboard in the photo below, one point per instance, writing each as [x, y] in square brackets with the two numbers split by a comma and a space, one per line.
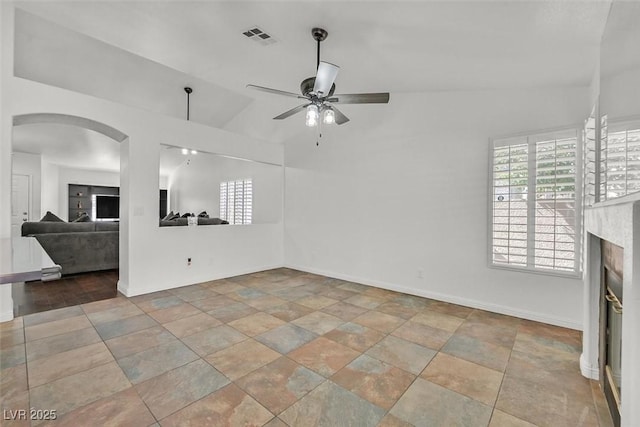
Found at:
[129, 291]
[5, 316]
[588, 370]
[496, 308]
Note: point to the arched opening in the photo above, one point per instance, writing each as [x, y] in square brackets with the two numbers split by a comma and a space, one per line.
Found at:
[66, 178]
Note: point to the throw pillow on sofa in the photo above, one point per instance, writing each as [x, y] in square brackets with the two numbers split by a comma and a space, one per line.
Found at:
[168, 217]
[203, 214]
[49, 217]
[82, 218]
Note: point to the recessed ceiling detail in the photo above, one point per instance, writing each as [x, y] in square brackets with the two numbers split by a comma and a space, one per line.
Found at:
[260, 36]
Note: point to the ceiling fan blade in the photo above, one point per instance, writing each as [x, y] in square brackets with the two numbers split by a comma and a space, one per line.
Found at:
[361, 98]
[340, 118]
[275, 91]
[325, 77]
[291, 112]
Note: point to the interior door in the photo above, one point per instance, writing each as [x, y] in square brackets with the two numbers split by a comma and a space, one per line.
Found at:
[20, 196]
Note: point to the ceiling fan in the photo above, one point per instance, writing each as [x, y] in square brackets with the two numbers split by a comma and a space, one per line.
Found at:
[318, 91]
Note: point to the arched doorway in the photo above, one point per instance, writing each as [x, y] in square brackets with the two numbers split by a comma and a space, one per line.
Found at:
[74, 161]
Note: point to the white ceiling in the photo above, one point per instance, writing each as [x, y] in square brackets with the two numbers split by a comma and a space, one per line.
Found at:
[68, 146]
[395, 46]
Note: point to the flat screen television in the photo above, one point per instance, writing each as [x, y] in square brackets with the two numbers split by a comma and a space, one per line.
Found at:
[107, 207]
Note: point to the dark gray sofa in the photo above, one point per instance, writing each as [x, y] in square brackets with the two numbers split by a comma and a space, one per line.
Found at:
[184, 221]
[78, 247]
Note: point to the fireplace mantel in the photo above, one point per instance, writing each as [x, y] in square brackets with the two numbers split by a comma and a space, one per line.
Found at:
[618, 222]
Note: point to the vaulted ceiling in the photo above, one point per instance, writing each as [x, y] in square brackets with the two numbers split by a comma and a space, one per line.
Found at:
[150, 50]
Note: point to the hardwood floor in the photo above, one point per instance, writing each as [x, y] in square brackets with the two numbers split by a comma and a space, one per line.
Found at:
[34, 297]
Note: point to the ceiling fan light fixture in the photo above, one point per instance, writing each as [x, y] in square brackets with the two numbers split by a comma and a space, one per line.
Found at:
[312, 115]
[328, 116]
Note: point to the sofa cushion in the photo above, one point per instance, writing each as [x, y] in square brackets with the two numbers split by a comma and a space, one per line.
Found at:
[173, 222]
[211, 221]
[31, 228]
[107, 226]
[83, 218]
[49, 217]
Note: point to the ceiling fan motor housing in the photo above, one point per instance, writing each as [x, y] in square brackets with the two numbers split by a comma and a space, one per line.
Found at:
[306, 87]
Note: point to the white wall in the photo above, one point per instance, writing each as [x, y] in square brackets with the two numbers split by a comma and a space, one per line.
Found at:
[404, 187]
[6, 73]
[30, 164]
[195, 186]
[50, 200]
[68, 176]
[154, 258]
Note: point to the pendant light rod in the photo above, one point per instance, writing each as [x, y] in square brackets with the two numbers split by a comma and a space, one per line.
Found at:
[319, 34]
[188, 90]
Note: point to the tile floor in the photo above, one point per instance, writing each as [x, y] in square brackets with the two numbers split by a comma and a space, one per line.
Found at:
[282, 347]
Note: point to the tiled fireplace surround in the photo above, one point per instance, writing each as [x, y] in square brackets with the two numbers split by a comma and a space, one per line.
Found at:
[619, 223]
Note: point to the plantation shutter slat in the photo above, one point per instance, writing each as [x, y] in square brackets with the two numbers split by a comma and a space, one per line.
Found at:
[534, 202]
[236, 201]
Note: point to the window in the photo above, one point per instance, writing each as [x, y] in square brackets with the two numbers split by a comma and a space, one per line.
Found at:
[236, 201]
[620, 159]
[535, 206]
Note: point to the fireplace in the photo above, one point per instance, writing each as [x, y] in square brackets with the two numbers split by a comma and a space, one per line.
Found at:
[611, 326]
[616, 343]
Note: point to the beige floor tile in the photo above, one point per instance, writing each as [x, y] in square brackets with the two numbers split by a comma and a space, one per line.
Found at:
[51, 315]
[172, 391]
[379, 321]
[176, 312]
[256, 324]
[502, 419]
[280, 384]
[474, 381]
[332, 405]
[136, 342]
[323, 356]
[423, 335]
[122, 409]
[365, 301]
[190, 325]
[75, 391]
[229, 406]
[316, 302]
[117, 313]
[438, 320]
[378, 382]
[265, 302]
[355, 336]
[56, 327]
[47, 369]
[289, 311]
[61, 343]
[344, 311]
[242, 358]
[11, 337]
[13, 381]
[319, 322]
[403, 354]
[446, 407]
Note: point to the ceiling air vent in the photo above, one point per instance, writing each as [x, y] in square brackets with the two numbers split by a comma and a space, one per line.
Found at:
[260, 36]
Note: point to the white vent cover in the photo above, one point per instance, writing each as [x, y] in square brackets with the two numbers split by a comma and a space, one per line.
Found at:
[260, 36]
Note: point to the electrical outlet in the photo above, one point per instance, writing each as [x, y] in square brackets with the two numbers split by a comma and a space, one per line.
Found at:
[189, 261]
[420, 273]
